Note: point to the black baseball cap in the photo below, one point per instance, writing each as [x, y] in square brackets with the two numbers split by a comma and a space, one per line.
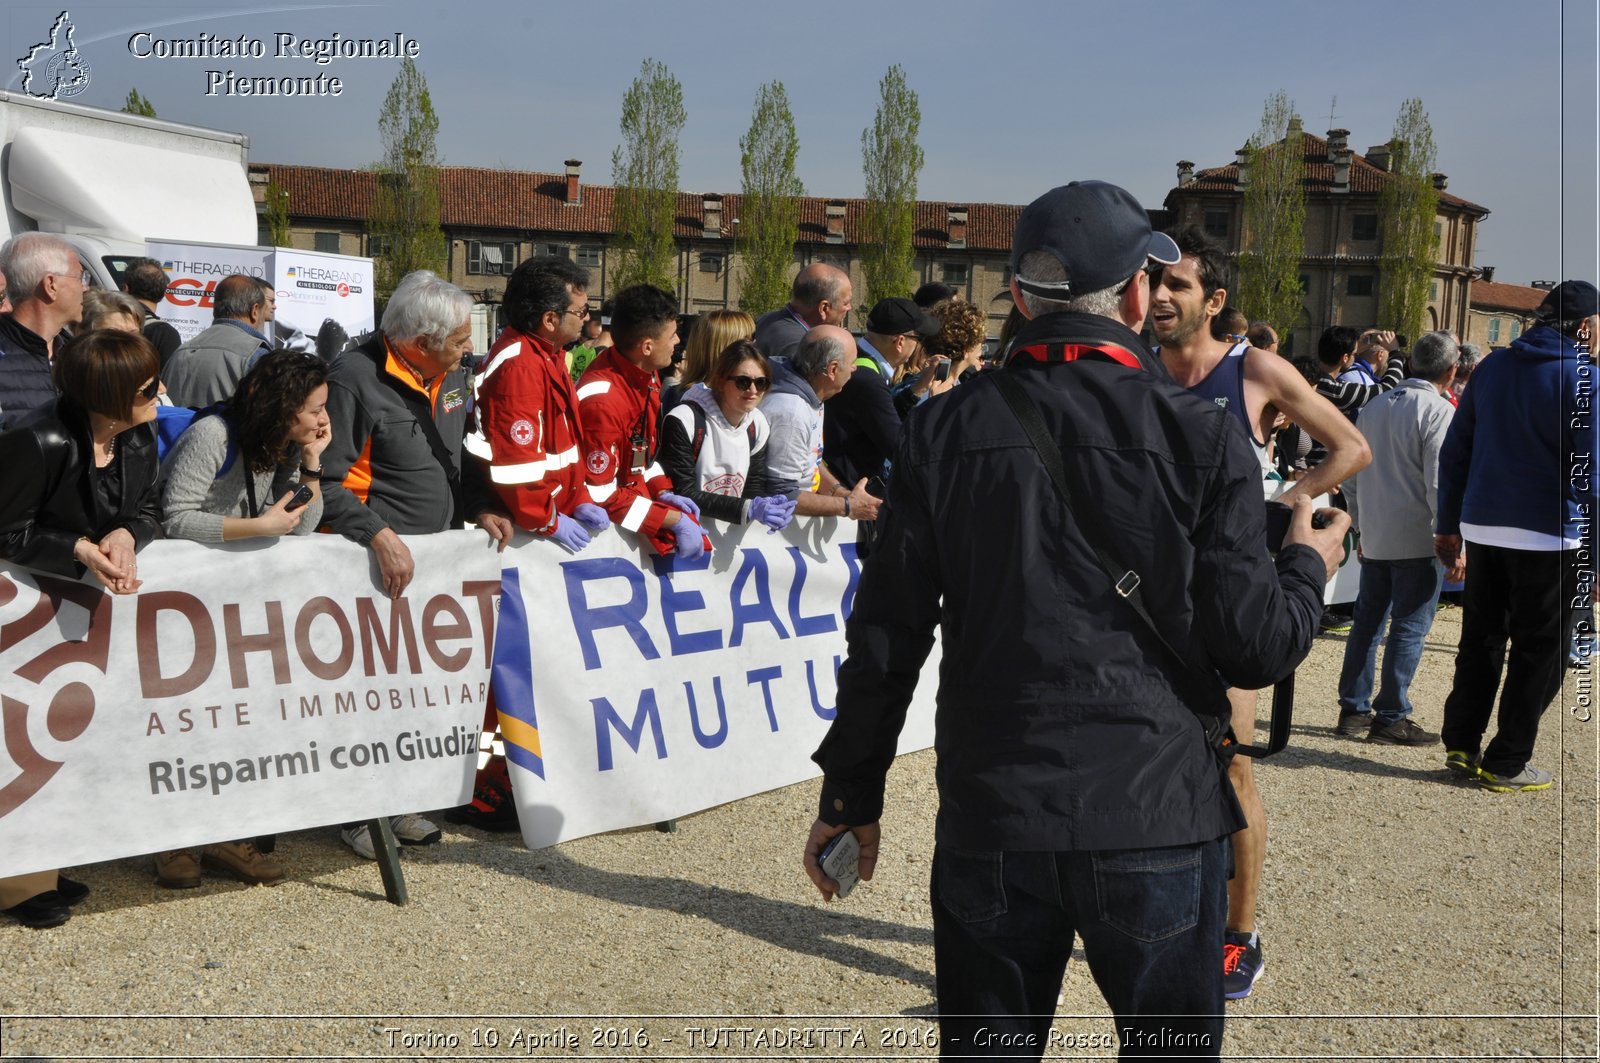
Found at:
[1572, 300]
[896, 317]
[1097, 231]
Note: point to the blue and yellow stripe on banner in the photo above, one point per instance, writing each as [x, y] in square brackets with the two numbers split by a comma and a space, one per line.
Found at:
[512, 676]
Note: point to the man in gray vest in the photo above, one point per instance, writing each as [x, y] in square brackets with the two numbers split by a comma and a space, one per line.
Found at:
[207, 368]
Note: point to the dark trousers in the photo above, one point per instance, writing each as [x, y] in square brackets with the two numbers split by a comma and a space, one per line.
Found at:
[1151, 921]
[1523, 596]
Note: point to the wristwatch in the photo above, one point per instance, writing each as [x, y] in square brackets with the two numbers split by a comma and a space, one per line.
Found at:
[310, 474]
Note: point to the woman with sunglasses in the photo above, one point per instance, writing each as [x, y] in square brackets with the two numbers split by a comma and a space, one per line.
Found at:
[250, 468]
[78, 494]
[714, 442]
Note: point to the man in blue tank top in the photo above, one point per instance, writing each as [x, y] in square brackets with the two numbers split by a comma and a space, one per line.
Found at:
[1254, 386]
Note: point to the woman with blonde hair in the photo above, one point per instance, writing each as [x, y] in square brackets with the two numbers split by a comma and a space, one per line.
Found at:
[711, 335]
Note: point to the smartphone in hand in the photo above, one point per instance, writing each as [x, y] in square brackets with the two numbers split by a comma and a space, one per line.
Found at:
[841, 860]
[298, 499]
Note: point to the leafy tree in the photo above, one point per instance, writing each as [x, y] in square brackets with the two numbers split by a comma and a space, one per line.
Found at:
[1274, 218]
[890, 161]
[1407, 208]
[277, 214]
[644, 168]
[137, 104]
[769, 202]
[405, 206]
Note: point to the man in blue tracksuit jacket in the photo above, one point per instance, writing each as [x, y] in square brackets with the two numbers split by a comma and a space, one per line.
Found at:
[1516, 481]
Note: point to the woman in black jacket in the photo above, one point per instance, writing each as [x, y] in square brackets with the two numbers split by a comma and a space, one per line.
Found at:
[78, 494]
[714, 442]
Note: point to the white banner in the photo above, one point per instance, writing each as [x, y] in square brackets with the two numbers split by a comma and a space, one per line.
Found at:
[193, 273]
[323, 299]
[247, 689]
[660, 688]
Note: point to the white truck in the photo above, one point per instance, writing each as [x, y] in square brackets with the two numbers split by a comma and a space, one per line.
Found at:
[109, 182]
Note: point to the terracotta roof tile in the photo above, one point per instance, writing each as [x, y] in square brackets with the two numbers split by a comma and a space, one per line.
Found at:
[474, 198]
[1364, 176]
[1489, 295]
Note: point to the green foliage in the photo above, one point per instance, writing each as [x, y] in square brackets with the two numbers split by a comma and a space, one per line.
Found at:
[890, 162]
[277, 214]
[1407, 209]
[1274, 219]
[137, 104]
[644, 168]
[769, 204]
[405, 207]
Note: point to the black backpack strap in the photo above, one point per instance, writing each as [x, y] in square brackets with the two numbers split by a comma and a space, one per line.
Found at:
[1125, 580]
[699, 437]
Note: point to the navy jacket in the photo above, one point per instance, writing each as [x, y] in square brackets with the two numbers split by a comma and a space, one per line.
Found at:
[1521, 447]
[25, 382]
[1062, 723]
[862, 425]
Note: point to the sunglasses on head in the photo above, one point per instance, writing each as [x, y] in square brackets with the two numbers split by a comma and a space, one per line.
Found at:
[745, 383]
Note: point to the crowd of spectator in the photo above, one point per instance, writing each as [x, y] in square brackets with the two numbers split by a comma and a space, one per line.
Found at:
[116, 433]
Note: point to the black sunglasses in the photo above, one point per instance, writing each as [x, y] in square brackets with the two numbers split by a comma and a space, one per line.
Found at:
[745, 383]
[151, 390]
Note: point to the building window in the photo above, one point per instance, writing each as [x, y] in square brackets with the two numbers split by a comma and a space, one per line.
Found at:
[1363, 227]
[1217, 223]
[1438, 232]
[1516, 329]
[710, 263]
[953, 272]
[589, 256]
[1305, 283]
[328, 243]
[1494, 330]
[492, 259]
[554, 251]
[377, 245]
[1359, 284]
[1433, 291]
[838, 261]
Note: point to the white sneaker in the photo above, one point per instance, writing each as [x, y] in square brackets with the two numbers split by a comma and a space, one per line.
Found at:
[412, 829]
[359, 838]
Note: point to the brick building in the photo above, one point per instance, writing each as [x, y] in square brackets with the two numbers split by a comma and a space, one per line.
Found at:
[1340, 271]
[494, 219]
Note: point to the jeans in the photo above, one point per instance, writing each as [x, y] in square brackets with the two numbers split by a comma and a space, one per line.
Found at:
[1524, 596]
[1151, 921]
[1409, 590]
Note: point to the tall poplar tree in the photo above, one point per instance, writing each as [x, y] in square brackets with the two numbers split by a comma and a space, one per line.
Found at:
[1407, 208]
[138, 104]
[644, 168]
[891, 159]
[276, 201]
[405, 206]
[1274, 218]
[769, 205]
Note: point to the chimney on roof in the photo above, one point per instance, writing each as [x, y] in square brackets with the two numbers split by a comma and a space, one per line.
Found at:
[1295, 125]
[1341, 164]
[1185, 172]
[956, 227]
[574, 190]
[711, 208]
[1241, 159]
[1486, 274]
[1439, 181]
[1378, 155]
[1338, 141]
[835, 216]
[1544, 286]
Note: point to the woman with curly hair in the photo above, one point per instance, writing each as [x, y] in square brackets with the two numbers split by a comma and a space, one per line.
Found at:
[250, 468]
[961, 333]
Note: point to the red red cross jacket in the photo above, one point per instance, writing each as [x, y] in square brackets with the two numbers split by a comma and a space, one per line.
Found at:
[527, 431]
[620, 405]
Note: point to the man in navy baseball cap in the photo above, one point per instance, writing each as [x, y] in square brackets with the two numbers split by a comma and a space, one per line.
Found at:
[1097, 231]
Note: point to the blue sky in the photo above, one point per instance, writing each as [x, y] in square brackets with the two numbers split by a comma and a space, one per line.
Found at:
[1016, 98]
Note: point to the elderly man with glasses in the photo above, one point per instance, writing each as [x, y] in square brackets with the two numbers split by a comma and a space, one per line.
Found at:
[46, 283]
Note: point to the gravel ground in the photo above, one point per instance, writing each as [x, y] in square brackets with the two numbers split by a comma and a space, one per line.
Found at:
[1403, 916]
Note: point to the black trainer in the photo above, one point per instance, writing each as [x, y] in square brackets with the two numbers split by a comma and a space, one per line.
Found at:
[1400, 733]
[1352, 724]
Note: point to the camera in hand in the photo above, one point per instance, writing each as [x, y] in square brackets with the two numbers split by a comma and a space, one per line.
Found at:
[1279, 517]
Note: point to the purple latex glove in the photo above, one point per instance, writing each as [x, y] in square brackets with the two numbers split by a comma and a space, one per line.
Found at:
[774, 511]
[680, 503]
[592, 517]
[569, 533]
[689, 535]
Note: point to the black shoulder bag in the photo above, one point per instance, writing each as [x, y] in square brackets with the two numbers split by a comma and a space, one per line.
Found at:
[1218, 731]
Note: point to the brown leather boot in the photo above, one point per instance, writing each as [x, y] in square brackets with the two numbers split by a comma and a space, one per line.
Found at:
[177, 869]
[244, 862]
